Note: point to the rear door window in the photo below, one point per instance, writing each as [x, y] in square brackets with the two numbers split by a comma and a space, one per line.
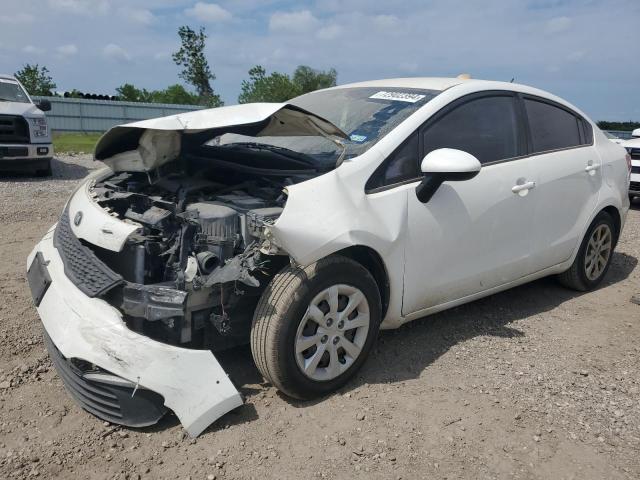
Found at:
[552, 127]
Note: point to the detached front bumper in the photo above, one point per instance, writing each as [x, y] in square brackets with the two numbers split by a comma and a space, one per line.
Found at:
[90, 331]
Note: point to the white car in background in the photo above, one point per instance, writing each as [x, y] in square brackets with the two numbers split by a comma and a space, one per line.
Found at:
[633, 149]
[304, 228]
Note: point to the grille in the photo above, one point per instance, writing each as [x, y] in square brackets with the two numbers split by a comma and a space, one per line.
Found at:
[635, 153]
[90, 395]
[13, 129]
[14, 152]
[634, 186]
[81, 265]
[635, 169]
[119, 404]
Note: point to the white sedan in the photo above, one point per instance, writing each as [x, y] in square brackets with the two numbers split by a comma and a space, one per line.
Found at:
[304, 228]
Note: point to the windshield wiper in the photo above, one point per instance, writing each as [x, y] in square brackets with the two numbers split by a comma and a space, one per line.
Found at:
[302, 158]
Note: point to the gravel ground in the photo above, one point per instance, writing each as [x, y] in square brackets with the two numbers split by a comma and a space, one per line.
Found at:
[535, 382]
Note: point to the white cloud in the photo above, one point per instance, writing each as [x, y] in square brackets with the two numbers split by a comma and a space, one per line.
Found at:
[116, 53]
[301, 21]
[330, 32]
[558, 24]
[386, 22]
[82, 7]
[576, 56]
[208, 12]
[32, 50]
[141, 16]
[17, 18]
[67, 50]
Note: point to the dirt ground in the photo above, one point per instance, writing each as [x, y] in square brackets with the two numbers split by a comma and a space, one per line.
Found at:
[535, 382]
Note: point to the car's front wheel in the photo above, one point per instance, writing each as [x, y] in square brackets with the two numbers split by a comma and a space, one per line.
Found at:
[594, 257]
[314, 326]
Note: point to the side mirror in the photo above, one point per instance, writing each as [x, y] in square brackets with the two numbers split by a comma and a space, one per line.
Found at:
[636, 133]
[445, 164]
[44, 105]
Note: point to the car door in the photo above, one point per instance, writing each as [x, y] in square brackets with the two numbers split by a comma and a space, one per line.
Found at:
[568, 176]
[471, 235]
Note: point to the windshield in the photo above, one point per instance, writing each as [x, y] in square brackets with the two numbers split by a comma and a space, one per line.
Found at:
[366, 114]
[12, 92]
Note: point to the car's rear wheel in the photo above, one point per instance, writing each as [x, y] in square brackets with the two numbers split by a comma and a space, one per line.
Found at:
[594, 257]
[314, 326]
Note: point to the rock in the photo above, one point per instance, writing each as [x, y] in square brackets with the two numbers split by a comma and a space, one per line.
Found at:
[584, 373]
[4, 385]
[360, 416]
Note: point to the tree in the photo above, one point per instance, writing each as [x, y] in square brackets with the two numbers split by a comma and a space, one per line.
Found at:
[277, 87]
[280, 87]
[195, 68]
[130, 93]
[176, 94]
[36, 80]
[307, 79]
[622, 126]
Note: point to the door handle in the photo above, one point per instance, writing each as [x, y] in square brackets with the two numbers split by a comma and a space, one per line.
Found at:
[523, 187]
[591, 168]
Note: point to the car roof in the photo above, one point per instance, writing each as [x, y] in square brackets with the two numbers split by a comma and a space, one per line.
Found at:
[4, 76]
[444, 83]
[427, 83]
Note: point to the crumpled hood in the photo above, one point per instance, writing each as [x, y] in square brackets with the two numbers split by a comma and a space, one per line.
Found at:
[28, 110]
[148, 144]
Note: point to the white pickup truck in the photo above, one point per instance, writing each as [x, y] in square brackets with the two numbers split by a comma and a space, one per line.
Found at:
[633, 148]
[25, 138]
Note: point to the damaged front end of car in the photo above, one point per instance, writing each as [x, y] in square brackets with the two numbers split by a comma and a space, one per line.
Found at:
[160, 260]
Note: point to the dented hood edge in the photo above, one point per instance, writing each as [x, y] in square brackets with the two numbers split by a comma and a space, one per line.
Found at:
[148, 144]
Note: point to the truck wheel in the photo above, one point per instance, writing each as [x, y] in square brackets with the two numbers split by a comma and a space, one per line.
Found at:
[44, 172]
[314, 326]
[594, 256]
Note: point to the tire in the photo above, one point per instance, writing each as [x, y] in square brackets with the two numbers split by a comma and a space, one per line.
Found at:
[284, 318]
[581, 275]
[44, 172]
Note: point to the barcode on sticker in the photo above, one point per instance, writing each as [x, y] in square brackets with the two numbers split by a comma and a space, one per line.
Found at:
[398, 96]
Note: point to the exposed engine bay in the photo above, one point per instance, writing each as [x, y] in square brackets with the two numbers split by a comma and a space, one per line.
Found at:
[194, 271]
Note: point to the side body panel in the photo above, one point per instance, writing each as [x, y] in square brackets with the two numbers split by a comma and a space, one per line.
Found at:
[471, 236]
[565, 196]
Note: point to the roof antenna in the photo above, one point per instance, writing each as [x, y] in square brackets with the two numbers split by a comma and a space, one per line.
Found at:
[512, 79]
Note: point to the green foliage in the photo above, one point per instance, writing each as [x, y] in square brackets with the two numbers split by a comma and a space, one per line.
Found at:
[176, 94]
[307, 79]
[36, 79]
[75, 142]
[280, 87]
[195, 68]
[130, 93]
[622, 126]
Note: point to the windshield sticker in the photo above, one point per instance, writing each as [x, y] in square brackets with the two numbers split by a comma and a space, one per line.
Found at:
[357, 138]
[398, 96]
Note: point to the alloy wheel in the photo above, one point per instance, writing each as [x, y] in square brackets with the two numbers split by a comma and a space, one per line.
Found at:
[598, 252]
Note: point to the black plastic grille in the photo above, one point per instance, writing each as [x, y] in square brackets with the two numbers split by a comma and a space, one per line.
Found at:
[90, 395]
[635, 153]
[634, 186]
[13, 129]
[81, 265]
[635, 169]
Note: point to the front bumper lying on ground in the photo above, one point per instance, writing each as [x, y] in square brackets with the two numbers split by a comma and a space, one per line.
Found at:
[90, 331]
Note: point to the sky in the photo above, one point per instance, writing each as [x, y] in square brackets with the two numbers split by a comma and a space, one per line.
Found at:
[582, 50]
